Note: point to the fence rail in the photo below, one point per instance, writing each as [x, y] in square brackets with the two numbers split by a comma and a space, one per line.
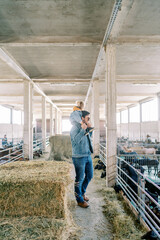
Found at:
[11, 154]
[142, 192]
[16, 152]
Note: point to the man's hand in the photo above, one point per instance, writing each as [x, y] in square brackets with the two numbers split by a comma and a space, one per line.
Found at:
[88, 125]
[84, 126]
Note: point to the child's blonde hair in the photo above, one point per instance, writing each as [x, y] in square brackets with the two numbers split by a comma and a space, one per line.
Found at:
[80, 104]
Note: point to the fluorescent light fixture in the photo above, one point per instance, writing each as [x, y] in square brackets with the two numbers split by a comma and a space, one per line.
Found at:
[69, 84]
[62, 84]
[145, 84]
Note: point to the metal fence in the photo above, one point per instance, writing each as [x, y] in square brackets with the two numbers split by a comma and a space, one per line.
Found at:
[102, 153]
[11, 154]
[38, 145]
[16, 152]
[140, 185]
[11, 141]
[142, 192]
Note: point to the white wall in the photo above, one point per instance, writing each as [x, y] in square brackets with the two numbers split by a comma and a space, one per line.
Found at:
[134, 131]
[11, 130]
[138, 131]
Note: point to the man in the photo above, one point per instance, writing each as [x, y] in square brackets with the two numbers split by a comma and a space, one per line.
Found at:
[148, 139]
[4, 141]
[81, 156]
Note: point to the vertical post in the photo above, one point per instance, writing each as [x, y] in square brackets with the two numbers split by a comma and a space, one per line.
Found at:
[120, 124]
[26, 129]
[11, 120]
[110, 105]
[140, 109]
[89, 103]
[95, 101]
[60, 122]
[51, 119]
[31, 122]
[158, 117]
[44, 122]
[128, 121]
[56, 121]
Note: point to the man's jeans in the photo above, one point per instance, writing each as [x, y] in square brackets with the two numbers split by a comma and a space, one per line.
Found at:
[84, 173]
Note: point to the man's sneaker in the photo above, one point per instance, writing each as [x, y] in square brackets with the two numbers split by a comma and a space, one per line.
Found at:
[83, 204]
[90, 129]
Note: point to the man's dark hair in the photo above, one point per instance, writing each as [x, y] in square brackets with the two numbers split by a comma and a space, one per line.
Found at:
[85, 113]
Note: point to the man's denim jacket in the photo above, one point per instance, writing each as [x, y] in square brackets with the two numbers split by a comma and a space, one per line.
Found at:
[80, 142]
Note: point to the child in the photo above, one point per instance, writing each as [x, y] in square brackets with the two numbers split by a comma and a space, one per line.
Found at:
[76, 115]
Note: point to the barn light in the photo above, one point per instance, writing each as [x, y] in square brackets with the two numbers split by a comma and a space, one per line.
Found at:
[62, 84]
[145, 84]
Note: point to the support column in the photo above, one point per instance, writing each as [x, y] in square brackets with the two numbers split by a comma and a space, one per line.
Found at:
[158, 96]
[95, 101]
[110, 105]
[56, 121]
[44, 122]
[140, 109]
[51, 120]
[31, 122]
[120, 124]
[26, 129]
[60, 122]
[128, 109]
[89, 103]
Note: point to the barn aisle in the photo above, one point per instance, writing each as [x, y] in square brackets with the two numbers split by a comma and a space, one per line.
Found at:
[92, 222]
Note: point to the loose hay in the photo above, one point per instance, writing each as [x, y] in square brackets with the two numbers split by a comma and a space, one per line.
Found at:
[33, 203]
[116, 211]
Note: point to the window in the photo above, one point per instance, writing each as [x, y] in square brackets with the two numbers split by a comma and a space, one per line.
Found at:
[124, 116]
[118, 118]
[134, 114]
[66, 125]
[17, 117]
[22, 117]
[5, 115]
[150, 110]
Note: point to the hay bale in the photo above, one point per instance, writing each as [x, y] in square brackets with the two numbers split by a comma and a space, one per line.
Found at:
[33, 203]
[31, 228]
[60, 147]
[33, 189]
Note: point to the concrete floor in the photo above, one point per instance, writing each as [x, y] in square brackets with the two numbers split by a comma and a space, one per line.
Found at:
[92, 222]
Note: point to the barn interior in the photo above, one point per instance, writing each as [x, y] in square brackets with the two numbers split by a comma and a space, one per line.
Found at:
[105, 53]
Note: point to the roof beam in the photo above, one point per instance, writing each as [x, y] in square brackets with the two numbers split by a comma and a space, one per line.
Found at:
[5, 56]
[101, 55]
[135, 94]
[73, 96]
[144, 79]
[138, 41]
[54, 44]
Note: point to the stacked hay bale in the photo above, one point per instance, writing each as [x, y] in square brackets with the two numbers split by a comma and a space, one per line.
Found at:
[60, 147]
[33, 202]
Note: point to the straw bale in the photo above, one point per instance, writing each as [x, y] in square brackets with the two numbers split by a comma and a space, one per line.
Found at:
[31, 228]
[33, 189]
[60, 147]
[33, 203]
